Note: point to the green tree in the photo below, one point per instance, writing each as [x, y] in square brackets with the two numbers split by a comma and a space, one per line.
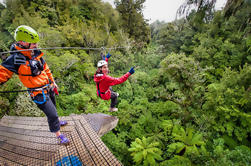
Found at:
[133, 21]
[228, 104]
[186, 85]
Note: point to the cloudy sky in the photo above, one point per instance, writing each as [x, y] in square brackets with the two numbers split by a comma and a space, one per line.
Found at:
[164, 10]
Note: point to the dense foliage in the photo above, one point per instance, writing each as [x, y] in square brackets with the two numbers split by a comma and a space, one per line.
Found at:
[189, 101]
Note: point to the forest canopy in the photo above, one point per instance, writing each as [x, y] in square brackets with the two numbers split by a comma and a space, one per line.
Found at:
[189, 101]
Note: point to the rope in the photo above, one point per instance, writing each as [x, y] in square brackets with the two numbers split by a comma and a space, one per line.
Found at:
[25, 90]
[14, 91]
[57, 48]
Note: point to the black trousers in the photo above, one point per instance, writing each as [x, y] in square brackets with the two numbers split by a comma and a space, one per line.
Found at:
[114, 99]
[49, 108]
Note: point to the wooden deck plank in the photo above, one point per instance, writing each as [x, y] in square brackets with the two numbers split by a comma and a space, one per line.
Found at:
[84, 155]
[92, 149]
[62, 153]
[25, 118]
[43, 155]
[104, 151]
[29, 122]
[27, 141]
[27, 127]
[35, 128]
[27, 132]
[42, 140]
[19, 158]
[32, 145]
[55, 158]
[5, 162]
[72, 150]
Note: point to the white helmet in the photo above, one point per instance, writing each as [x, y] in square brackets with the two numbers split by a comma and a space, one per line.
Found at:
[101, 63]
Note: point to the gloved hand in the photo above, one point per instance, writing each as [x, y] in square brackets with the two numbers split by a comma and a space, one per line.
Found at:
[108, 55]
[56, 91]
[131, 71]
[55, 88]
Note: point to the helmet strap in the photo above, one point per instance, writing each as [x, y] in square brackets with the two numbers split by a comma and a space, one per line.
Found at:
[100, 70]
[21, 44]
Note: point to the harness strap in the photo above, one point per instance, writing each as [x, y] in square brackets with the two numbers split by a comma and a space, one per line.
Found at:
[39, 88]
[43, 88]
[41, 102]
[25, 90]
[99, 93]
[25, 74]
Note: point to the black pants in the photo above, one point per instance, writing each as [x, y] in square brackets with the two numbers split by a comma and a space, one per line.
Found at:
[114, 99]
[49, 108]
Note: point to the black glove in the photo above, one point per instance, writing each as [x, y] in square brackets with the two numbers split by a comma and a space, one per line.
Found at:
[131, 71]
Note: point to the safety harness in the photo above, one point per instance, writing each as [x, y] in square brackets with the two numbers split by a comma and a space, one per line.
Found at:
[36, 66]
[44, 89]
[99, 93]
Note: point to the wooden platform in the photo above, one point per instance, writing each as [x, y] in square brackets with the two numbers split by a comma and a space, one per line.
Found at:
[27, 141]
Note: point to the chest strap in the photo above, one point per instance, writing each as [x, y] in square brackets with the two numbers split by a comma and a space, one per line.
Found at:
[35, 70]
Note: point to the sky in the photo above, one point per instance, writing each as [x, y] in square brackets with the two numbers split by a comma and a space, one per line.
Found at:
[164, 10]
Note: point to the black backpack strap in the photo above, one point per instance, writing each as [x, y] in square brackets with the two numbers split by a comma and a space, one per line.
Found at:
[38, 68]
[19, 59]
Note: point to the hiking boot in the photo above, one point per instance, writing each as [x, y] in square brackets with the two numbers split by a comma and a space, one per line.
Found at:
[113, 109]
[63, 122]
[63, 140]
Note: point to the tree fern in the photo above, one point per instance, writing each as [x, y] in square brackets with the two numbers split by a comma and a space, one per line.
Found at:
[145, 152]
[187, 141]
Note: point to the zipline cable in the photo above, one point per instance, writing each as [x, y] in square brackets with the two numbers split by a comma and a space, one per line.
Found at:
[24, 90]
[59, 48]
[56, 48]
[15, 91]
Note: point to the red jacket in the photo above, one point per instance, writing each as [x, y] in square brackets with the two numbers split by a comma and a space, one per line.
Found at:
[103, 83]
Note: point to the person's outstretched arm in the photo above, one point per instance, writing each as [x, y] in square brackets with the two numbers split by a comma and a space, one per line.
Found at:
[5, 74]
[115, 81]
[10, 66]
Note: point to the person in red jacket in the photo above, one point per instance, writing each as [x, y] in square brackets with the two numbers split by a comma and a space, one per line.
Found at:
[34, 74]
[104, 82]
